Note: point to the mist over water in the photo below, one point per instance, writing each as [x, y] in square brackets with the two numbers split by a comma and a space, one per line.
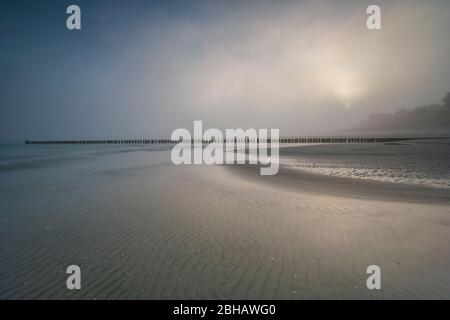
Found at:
[305, 67]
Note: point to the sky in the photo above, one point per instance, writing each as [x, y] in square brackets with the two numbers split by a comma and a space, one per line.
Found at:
[144, 68]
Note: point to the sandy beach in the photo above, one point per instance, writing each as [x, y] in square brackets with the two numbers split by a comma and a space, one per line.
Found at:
[224, 150]
[140, 227]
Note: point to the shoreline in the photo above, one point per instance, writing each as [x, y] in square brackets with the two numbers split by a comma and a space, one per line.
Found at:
[313, 183]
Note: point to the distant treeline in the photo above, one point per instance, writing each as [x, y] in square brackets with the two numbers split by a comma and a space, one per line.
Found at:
[433, 117]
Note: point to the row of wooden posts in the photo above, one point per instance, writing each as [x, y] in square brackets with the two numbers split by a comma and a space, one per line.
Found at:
[168, 141]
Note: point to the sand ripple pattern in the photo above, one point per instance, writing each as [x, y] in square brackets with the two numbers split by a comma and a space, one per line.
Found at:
[159, 231]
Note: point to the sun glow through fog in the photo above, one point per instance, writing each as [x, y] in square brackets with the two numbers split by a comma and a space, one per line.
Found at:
[348, 87]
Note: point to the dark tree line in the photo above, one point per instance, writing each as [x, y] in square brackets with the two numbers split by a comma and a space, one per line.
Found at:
[433, 116]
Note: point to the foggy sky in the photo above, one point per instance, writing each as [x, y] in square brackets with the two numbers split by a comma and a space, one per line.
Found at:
[143, 69]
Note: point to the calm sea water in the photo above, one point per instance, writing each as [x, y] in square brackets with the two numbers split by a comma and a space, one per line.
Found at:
[24, 167]
[420, 162]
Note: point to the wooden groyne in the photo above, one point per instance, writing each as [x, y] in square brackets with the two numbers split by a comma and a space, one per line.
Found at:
[281, 140]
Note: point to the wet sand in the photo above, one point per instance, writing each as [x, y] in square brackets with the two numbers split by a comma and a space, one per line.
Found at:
[145, 230]
[317, 184]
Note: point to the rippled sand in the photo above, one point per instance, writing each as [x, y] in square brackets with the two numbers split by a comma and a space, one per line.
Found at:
[150, 230]
[417, 162]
